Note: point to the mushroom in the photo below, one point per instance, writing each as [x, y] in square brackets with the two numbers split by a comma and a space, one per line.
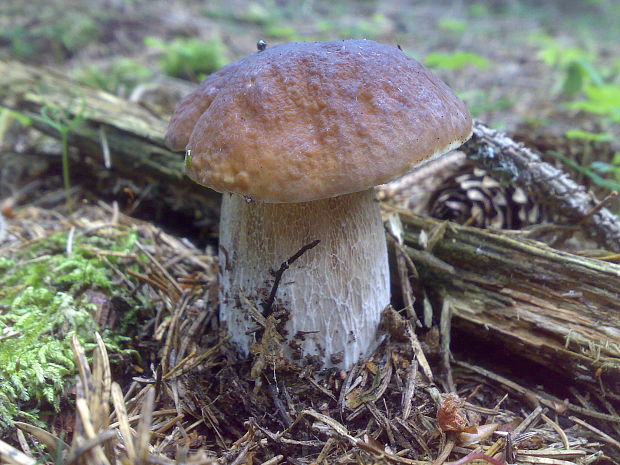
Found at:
[296, 136]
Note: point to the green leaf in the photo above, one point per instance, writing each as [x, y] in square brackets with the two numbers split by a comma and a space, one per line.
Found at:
[601, 100]
[188, 58]
[452, 25]
[590, 136]
[597, 179]
[573, 81]
[455, 60]
[602, 167]
[589, 70]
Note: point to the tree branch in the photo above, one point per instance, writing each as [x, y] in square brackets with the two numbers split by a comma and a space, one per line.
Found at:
[511, 162]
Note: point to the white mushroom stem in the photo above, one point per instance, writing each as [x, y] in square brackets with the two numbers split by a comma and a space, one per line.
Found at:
[334, 293]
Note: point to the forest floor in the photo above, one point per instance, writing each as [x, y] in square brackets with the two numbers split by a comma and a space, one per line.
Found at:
[543, 71]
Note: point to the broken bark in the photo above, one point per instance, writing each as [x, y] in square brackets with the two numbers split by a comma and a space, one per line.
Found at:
[552, 307]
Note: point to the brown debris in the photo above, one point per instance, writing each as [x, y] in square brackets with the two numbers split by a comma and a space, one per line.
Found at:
[201, 405]
[450, 416]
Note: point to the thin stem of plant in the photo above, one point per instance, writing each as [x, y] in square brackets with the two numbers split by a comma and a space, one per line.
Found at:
[64, 134]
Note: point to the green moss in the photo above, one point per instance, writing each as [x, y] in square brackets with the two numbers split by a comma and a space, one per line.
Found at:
[43, 302]
[189, 58]
[455, 60]
[452, 25]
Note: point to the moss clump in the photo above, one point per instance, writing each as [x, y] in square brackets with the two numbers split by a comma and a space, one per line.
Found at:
[44, 300]
[191, 59]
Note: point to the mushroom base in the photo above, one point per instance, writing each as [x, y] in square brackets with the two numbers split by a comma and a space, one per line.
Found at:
[334, 293]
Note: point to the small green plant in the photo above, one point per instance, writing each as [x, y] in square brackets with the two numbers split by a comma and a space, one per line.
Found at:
[281, 31]
[589, 136]
[325, 25]
[577, 73]
[574, 64]
[596, 170]
[612, 169]
[452, 25]
[189, 58]
[21, 44]
[64, 121]
[455, 60]
[261, 13]
[597, 88]
[479, 10]
[119, 77]
[603, 100]
[274, 20]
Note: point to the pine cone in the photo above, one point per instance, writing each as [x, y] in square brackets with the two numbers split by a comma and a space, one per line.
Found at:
[471, 196]
[452, 188]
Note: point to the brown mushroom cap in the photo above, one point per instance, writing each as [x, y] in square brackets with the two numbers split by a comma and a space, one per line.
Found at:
[304, 121]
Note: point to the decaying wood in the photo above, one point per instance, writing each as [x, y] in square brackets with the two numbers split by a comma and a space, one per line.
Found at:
[512, 162]
[555, 308]
[127, 133]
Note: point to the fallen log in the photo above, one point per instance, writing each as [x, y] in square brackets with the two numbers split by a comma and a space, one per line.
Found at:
[112, 131]
[554, 308]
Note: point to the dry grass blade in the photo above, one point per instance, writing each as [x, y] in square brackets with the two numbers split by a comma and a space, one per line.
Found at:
[173, 282]
[100, 401]
[21, 437]
[409, 389]
[419, 353]
[93, 403]
[50, 441]
[10, 455]
[544, 461]
[82, 365]
[363, 445]
[88, 445]
[136, 418]
[241, 457]
[557, 429]
[604, 436]
[445, 452]
[102, 367]
[336, 426]
[551, 453]
[96, 452]
[144, 428]
[123, 421]
[273, 461]
[93, 440]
